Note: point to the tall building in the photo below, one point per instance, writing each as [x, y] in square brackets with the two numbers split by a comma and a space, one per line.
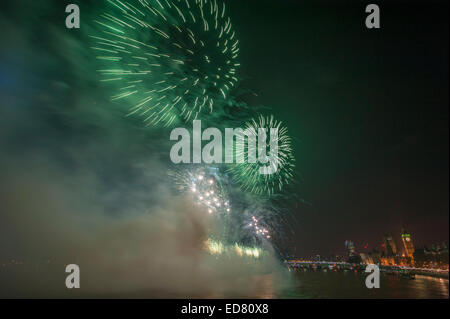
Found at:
[407, 243]
[353, 256]
[350, 248]
[390, 248]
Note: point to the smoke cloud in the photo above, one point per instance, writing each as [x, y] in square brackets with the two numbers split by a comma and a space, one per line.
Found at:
[81, 184]
[52, 217]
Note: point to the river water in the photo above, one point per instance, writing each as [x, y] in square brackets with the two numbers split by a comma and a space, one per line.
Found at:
[330, 284]
[300, 284]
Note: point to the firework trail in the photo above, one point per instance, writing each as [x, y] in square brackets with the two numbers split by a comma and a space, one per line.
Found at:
[205, 187]
[259, 230]
[245, 220]
[173, 61]
[215, 247]
[169, 60]
[248, 174]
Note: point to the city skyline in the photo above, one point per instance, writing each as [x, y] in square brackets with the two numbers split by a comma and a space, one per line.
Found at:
[382, 245]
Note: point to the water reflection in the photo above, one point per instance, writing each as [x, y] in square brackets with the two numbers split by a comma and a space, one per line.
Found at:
[309, 284]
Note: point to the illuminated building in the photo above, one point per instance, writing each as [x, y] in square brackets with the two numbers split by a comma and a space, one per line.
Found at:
[353, 256]
[390, 248]
[350, 248]
[434, 257]
[408, 244]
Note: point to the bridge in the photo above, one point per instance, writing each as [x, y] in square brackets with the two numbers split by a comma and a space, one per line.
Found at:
[308, 264]
[340, 265]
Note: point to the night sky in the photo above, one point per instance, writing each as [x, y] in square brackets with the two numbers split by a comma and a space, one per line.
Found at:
[367, 109]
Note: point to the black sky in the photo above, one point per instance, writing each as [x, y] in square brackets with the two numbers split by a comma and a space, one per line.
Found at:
[368, 110]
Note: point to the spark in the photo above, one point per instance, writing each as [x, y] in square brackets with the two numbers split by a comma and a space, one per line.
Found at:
[248, 176]
[215, 247]
[206, 192]
[173, 49]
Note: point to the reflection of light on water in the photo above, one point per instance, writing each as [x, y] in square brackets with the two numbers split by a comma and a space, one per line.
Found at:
[259, 287]
[265, 286]
[444, 285]
[317, 284]
[424, 284]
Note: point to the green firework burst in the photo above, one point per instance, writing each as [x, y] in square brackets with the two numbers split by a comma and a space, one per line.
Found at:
[167, 60]
[248, 175]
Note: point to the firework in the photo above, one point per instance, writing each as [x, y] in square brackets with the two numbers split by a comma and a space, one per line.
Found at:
[259, 230]
[167, 60]
[205, 187]
[215, 247]
[248, 175]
